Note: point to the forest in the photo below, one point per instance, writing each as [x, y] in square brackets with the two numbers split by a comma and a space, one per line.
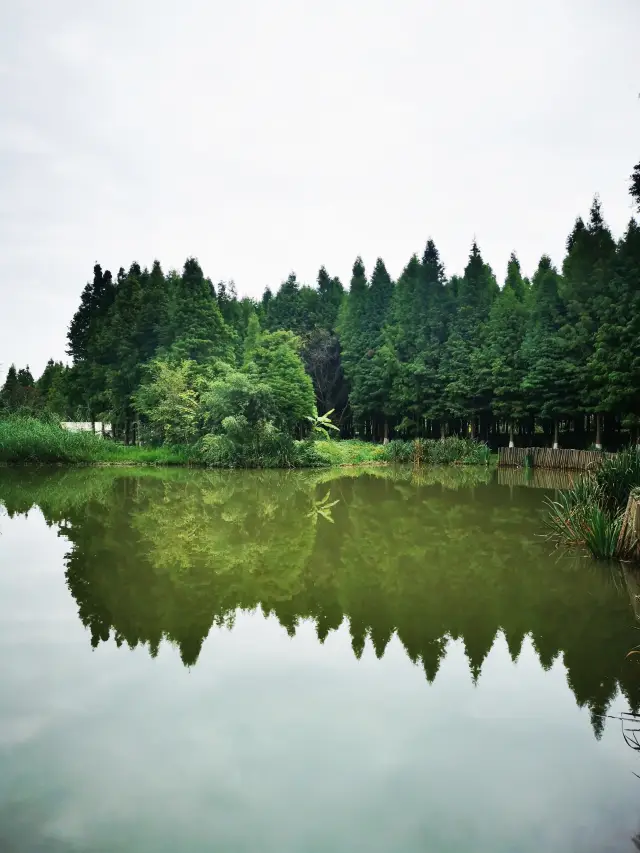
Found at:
[173, 358]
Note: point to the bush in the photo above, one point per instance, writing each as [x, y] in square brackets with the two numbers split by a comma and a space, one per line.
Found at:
[242, 445]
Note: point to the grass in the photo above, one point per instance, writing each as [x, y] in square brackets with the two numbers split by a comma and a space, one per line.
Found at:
[350, 452]
[32, 441]
[26, 440]
[590, 514]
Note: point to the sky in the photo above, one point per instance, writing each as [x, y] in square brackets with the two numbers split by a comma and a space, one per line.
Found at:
[270, 136]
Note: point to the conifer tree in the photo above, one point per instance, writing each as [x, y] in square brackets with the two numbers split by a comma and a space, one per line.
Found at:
[10, 394]
[547, 375]
[615, 363]
[199, 332]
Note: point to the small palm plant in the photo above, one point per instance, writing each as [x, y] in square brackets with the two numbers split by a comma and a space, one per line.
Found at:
[322, 424]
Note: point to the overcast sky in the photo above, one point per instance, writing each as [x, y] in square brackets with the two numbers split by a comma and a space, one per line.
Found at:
[265, 136]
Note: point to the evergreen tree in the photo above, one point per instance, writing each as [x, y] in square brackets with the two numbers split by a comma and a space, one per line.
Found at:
[52, 390]
[370, 389]
[10, 394]
[350, 325]
[547, 376]
[153, 329]
[514, 280]
[635, 186]
[199, 332]
[330, 296]
[466, 394]
[615, 363]
[285, 309]
[587, 278]
[502, 351]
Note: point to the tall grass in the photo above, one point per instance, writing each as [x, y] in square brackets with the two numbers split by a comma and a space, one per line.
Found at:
[26, 440]
[590, 514]
[448, 451]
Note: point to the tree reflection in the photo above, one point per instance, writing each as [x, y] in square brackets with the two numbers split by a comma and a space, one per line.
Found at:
[167, 555]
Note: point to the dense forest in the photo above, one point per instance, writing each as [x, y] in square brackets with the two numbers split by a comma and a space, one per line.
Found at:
[171, 357]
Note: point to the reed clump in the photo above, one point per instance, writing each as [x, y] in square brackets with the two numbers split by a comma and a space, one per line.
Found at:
[590, 514]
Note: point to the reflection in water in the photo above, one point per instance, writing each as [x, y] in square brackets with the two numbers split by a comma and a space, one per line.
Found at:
[428, 556]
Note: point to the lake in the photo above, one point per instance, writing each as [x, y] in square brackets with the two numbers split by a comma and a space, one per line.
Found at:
[308, 662]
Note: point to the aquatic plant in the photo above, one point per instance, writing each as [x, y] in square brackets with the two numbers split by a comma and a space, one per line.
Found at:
[590, 513]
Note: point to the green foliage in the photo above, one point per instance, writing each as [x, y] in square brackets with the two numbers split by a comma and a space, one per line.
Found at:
[590, 514]
[616, 477]
[322, 424]
[422, 357]
[25, 440]
[170, 402]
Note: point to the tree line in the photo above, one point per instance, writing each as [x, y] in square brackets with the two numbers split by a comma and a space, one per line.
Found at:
[173, 356]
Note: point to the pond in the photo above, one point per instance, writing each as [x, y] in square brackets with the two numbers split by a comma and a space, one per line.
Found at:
[307, 662]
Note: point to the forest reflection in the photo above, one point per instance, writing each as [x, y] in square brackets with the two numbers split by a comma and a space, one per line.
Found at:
[430, 556]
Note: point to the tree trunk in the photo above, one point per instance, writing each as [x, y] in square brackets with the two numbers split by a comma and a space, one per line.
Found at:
[442, 430]
[555, 433]
[386, 433]
[598, 431]
[511, 442]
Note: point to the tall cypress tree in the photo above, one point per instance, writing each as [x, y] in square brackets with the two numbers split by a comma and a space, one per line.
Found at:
[10, 394]
[615, 362]
[547, 375]
[352, 338]
[587, 278]
[199, 332]
[466, 395]
[634, 188]
[370, 388]
[502, 349]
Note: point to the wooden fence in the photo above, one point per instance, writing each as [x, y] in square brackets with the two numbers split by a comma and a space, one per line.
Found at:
[629, 539]
[536, 478]
[545, 457]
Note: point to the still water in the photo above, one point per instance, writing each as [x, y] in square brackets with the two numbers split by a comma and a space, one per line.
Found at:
[326, 662]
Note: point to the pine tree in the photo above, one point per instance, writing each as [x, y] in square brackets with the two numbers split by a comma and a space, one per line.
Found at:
[370, 386]
[587, 277]
[547, 374]
[502, 350]
[350, 326]
[153, 331]
[634, 188]
[514, 280]
[466, 394]
[199, 332]
[285, 309]
[52, 390]
[330, 296]
[615, 363]
[10, 394]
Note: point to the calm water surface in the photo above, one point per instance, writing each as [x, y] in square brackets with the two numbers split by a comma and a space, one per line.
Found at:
[307, 663]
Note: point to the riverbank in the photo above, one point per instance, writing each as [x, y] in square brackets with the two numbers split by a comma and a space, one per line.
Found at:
[35, 442]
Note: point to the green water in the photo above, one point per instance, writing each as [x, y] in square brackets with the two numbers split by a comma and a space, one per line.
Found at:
[325, 662]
